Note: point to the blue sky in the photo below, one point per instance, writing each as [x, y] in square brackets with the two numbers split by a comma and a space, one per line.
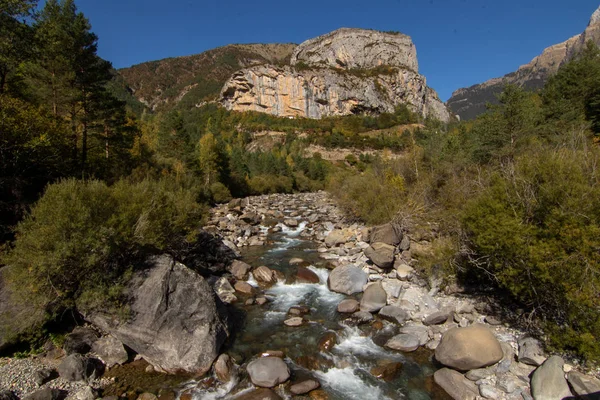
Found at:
[459, 42]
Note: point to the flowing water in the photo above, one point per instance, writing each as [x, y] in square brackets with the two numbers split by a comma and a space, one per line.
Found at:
[345, 372]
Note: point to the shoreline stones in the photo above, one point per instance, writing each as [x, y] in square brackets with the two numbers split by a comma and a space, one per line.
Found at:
[268, 372]
[469, 348]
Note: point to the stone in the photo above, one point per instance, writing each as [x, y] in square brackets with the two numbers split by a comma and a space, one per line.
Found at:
[305, 275]
[531, 352]
[362, 317]
[250, 218]
[548, 381]
[585, 386]
[489, 392]
[381, 254]
[259, 394]
[296, 261]
[394, 314]
[291, 222]
[80, 341]
[261, 300]
[327, 341]
[374, 298]
[45, 375]
[294, 321]
[480, 373]
[418, 331]
[264, 275]
[87, 393]
[224, 368]
[403, 342]
[298, 310]
[239, 270]
[490, 319]
[507, 383]
[404, 271]
[147, 396]
[177, 322]
[404, 243]
[47, 394]
[387, 371]
[468, 348]
[347, 280]
[335, 238]
[8, 395]
[304, 386]
[244, 287]
[436, 318]
[268, 371]
[455, 384]
[76, 367]
[348, 306]
[390, 234]
[225, 291]
[110, 350]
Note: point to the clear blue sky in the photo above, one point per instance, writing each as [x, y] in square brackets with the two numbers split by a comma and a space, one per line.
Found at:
[459, 42]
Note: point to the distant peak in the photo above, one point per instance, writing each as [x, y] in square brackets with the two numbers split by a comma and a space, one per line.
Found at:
[595, 20]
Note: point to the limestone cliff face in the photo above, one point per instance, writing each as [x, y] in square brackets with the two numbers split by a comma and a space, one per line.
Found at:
[337, 74]
[358, 48]
[470, 102]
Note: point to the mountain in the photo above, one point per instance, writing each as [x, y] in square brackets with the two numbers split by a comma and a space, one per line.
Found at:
[348, 71]
[198, 78]
[469, 102]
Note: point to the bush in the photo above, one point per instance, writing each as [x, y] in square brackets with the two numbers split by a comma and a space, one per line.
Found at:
[220, 193]
[268, 184]
[81, 238]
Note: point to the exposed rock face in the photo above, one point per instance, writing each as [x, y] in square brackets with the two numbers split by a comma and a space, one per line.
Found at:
[177, 323]
[470, 102]
[358, 48]
[334, 83]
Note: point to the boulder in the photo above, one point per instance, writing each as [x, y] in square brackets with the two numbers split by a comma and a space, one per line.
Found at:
[110, 350]
[374, 298]
[291, 222]
[531, 352]
[455, 384]
[336, 237]
[80, 340]
[404, 271]
[45, 375]
[347, 280]
[76, 367]
[177, 323]
[419, 331]
[225, 291]
[438, 317]
[268, 371]
[327, 341]
[244, 287]
[394, 314]
[585, 386]
[390, 234]
[469, 348]
[304, 386]
[264, 275]
[548, 381]
[47, 394]
[403, 342]
[239, 270]
[259, 394]
[381, 254]
[224, 368]
[348, 306]
[8, 395]
[305, 275]
[250, 218]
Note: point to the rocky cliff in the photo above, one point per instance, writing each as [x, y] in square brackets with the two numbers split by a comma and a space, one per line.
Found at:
[348, 71]
[469, 102]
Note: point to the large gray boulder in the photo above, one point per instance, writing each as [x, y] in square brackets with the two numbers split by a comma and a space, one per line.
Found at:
[585, 386]
[531, 352]
[347, 280]
[388, 233]
[80, 340]
[381, 254]
[110, 350]
[374, 298]
[268, 371]
[548, 381]
[469, 348]
[455, 384]
[394, 314]
[176, 322]
[79, 368]
[239, 269]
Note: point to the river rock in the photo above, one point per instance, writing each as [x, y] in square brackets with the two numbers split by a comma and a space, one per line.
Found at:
[327, 341]
[76, 367]
[381, 254]
[468, 348]
[585, 386]
[291, 222]
[436, 318]
[8, 395]
[419, 331]
[304, 386]
[296, 261]
[347, 280]
[455, 384]
[404, 271]
[239, 270]
[390, 234]
[268, 371]
[259, 394]
[294, 321]
[305, 275]
[335, 237]
[47, 394]
[374, 298]
[387, 371]
[44, 375]
[244, 287]
[264, 275]
[110, 350]
[225, 291]
[177, 323]
[548, 381]
[361, 317]
[531, 352]
[80, 340]
[403, 342]
[394, 314]
[224, 368]
[348, 306]
[298, 310]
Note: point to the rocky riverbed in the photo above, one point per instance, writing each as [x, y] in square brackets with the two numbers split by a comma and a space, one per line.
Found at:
[326, 309]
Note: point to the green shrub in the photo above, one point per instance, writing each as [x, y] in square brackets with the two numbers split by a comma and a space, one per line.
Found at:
[81, 238]
[220, 193]
[266, 184]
